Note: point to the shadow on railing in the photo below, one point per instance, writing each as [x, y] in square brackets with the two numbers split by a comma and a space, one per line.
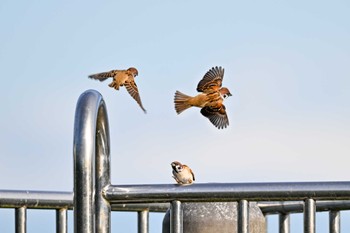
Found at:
[95, 197]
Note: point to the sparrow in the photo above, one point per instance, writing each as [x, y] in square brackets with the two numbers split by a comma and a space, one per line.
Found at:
[210, 100]
[182, 173]
[122, 78]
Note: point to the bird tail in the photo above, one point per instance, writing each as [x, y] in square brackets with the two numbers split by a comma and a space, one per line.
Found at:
[102, 76]
[181, 102]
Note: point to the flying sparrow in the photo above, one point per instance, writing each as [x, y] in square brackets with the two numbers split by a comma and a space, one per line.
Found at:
[210, 100]
[182, 173]
[122, 78]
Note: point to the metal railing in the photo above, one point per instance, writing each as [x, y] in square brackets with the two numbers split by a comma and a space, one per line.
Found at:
[23, 200]
[284, 209]
[63, 201]
[94, 196]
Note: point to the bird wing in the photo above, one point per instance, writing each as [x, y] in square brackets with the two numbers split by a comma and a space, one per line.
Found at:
[217, 116]
[131, 87]
[212, 80]
[104, 75]
[192, 174]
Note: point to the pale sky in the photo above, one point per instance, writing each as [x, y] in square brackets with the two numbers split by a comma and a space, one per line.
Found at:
[286, 64]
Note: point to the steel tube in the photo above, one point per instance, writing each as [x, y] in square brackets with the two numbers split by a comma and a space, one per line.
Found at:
[284, 223]
[61, 220]
[21, 219]
[228, 192]
[334, 222]
[243, 216]
[102, 172]
[309, 216]
[91, 137]
[143, 221]
[176, 217]
[151, 207]
[35, 199]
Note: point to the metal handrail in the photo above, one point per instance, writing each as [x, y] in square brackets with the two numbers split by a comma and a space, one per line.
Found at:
[228, 192]
[35, 199]
[57, 200]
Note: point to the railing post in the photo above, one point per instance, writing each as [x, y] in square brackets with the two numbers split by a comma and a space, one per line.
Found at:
[143, 221]
[61, 221]
[243, 216]
[284, 223]
[176, 217]
[21, 219]
[334, 221]
[309, 216]
[91, 164]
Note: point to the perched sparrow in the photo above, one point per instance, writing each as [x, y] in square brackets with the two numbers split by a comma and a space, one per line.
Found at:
[182, 173]
[122, 78]
[210, 100]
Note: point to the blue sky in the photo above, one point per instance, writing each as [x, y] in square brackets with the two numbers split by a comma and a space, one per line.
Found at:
[287, 65]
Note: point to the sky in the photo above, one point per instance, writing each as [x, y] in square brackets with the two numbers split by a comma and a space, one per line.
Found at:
[286, 64]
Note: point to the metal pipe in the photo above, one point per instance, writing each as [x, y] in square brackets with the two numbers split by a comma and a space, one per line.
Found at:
[243, 216]
[143, 221]
[176, 217]
[334, 222]
[91, 142]
[61, 220]
[309, 216]
[21, 219]
[35, 199]
[228, 192]
[102, 171]
[284, 223]
[151, 207]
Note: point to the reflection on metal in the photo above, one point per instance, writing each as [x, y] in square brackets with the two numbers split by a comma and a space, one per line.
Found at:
[95, 197]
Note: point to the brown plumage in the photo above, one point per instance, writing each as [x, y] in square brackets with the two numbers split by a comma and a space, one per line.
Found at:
[122, 78]
[210, 100]
[182, 173]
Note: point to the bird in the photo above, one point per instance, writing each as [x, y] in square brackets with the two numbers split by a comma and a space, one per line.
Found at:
[122, 78]
[182, 173]
[210, 99]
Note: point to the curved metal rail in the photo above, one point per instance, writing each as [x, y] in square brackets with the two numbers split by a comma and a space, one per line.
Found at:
[91, 151]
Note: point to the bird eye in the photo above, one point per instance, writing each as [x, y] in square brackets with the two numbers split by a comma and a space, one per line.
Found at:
[225, 96]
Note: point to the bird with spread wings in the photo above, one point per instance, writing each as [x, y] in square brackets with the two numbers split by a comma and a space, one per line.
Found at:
[210, 100]
[122, 78]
